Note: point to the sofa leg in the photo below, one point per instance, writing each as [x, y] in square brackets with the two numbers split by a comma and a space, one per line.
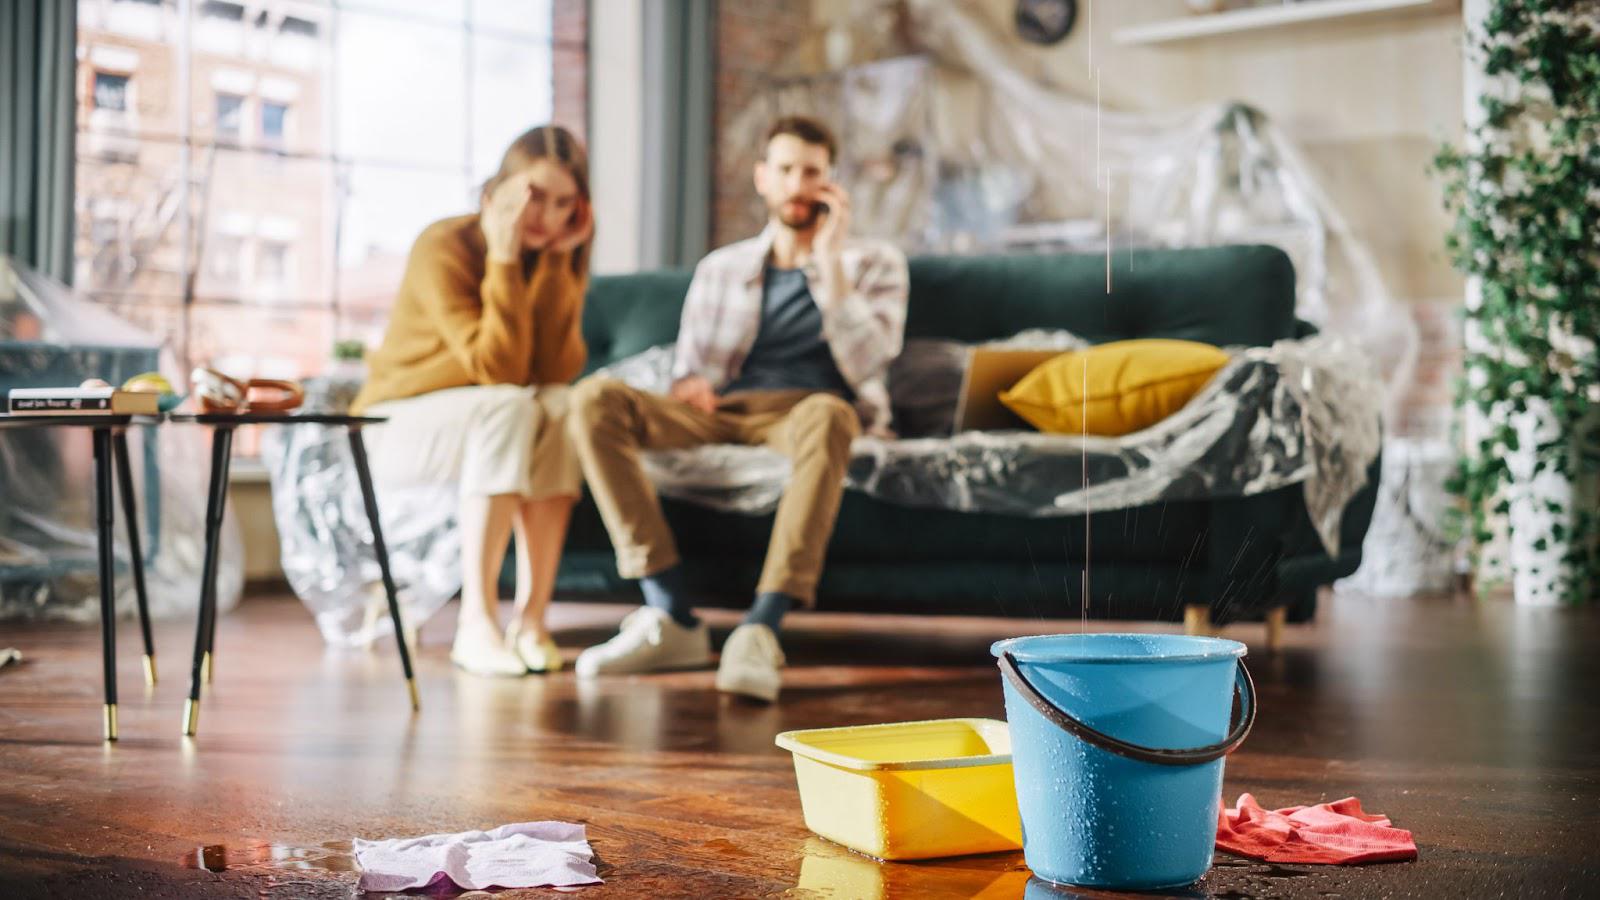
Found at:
[1197, 620]
[1276, 618]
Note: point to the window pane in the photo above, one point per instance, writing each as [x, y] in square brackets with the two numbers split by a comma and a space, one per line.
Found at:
[300, 42]
[511, 92]
[365, 324]
[127, 66]
[146, 20]
[384, 211]
[413, 112]
[110, 91]
[230, 112]
[427, 12]
[268, 228]
[524, 17]
[128, 206]
[249, 341]
[224, 261]
[161, 316]
[222, 9]
[272, 121]
[220, 28]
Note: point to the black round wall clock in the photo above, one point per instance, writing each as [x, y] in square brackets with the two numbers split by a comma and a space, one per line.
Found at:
[1045, 21]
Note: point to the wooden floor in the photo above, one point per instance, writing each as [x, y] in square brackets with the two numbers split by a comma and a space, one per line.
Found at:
[1475, 725]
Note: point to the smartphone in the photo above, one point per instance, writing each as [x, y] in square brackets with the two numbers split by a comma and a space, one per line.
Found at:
[818, 207]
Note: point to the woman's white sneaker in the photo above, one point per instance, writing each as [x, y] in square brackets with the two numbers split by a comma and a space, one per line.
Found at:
[540, 655]
[649, 641]
[482, 651]
[751, 663]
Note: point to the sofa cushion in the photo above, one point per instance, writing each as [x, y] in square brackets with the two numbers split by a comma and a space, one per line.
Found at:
[628, 314]
[1226, 296]
[1113, 389]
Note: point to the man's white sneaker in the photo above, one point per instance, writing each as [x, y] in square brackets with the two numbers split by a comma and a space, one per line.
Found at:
[751, 660]
[649, 641]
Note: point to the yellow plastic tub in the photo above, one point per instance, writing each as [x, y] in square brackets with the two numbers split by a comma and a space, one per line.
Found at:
[909, 790]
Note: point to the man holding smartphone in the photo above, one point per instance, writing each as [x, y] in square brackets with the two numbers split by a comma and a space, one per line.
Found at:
[785, 340]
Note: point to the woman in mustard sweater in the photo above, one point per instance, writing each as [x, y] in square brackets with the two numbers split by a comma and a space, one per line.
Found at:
[472, 376]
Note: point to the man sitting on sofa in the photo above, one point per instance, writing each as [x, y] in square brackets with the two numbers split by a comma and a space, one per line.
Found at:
[785, 341]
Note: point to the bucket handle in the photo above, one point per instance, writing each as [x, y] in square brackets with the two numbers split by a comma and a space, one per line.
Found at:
[1243, 685]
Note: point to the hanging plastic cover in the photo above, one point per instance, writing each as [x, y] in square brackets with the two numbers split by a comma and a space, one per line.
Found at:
[48, 557]
[948, 145]
[326, 539]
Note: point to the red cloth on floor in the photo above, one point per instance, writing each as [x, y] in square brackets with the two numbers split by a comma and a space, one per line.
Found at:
[1329, 833]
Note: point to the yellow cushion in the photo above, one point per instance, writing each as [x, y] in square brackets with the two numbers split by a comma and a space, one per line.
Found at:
[1131, 385]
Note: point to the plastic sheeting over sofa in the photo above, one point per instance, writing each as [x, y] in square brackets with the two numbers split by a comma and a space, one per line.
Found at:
[1300, 412]
[1303, 411]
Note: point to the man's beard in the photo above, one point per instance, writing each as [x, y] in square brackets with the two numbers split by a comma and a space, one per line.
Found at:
[798, 222]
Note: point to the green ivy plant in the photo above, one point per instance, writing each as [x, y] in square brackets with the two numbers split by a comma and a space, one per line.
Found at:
[1524, 188]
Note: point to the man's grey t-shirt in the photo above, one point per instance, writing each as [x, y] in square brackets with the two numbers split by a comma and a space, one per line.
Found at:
[789, 351]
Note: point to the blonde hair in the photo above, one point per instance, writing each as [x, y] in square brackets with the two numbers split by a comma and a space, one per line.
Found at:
[560, 146]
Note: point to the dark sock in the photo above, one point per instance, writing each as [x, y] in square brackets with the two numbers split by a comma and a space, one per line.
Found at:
[666, 591]
[769, 608]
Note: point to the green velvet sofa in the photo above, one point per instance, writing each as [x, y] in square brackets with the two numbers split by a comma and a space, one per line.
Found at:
[1242, 556]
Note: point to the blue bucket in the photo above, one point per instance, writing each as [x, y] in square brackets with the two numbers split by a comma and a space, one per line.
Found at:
[1117, 744]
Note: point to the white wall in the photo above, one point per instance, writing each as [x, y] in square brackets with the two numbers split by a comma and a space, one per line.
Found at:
[616, 110]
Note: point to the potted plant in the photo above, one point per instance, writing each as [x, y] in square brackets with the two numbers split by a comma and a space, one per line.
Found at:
[349, 359]
[1524, 188]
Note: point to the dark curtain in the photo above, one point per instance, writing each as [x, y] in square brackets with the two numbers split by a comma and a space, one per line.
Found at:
[675, 218]
[38, 44]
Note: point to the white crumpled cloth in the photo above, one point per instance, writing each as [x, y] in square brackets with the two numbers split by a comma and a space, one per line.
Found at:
[527, 854]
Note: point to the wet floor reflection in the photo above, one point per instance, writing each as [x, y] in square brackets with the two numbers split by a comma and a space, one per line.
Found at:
[828, 870]
[330, 856]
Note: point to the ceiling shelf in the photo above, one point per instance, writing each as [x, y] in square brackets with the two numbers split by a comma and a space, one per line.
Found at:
[1235, 21]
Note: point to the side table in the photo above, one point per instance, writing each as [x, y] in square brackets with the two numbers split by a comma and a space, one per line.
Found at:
[110, 448]
[222, 426]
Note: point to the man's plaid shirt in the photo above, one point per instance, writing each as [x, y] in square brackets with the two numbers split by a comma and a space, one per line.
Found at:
[864, 328]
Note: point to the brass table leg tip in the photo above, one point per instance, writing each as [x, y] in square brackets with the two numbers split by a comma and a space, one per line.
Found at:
[416, 699]
[191, 717]
[205, 668]
[111, 721]
[150, 669]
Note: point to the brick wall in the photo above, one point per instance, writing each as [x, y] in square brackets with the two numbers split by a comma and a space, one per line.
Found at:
[570, 58]
[752, 37]
[1427, 408]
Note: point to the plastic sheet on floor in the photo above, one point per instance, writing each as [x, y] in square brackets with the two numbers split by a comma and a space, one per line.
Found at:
[50, 337]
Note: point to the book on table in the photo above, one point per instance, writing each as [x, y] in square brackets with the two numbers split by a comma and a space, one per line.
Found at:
[81, 402]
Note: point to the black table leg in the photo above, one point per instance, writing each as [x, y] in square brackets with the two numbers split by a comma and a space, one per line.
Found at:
[205, 625]
[358, 449]
[108, 614]
[130, 518]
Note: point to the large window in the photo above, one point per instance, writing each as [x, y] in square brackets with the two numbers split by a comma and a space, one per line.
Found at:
[254, 199]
